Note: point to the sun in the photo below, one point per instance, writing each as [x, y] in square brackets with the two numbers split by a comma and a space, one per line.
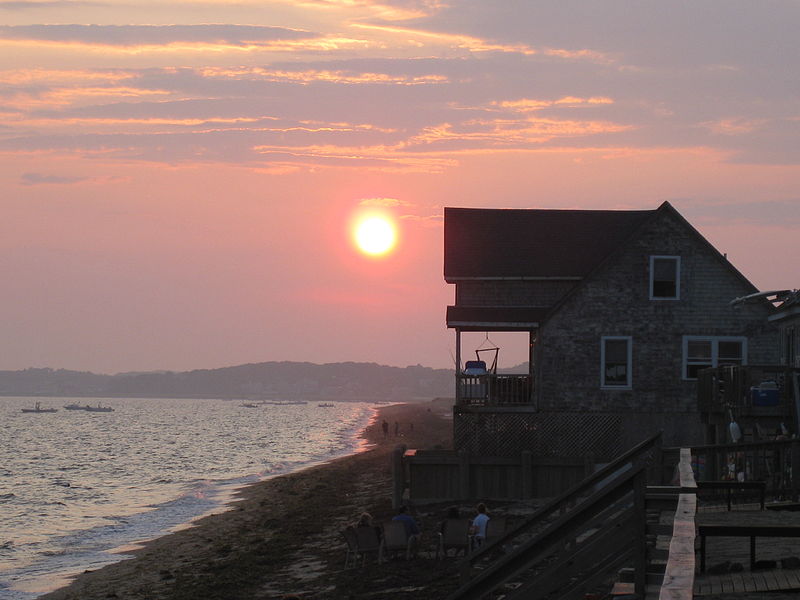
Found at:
[375, 235]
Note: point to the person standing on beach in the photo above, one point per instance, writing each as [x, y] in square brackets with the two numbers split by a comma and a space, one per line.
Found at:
[385, 427]
[396, 428]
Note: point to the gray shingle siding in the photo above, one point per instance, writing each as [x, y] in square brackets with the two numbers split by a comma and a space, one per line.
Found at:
[615, 301]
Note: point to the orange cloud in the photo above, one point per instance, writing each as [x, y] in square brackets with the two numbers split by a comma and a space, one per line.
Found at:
[512, 131]
[733, 126]
[315, 75]
[527, 104]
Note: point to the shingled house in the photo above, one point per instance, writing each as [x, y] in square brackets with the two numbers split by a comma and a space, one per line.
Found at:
[622, 309]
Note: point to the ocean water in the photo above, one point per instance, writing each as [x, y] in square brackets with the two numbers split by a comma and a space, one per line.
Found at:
[77, 487]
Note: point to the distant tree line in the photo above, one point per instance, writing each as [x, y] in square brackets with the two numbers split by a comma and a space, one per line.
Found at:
[268, 380]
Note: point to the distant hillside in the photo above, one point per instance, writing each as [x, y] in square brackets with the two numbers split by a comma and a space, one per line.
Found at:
[269, 380]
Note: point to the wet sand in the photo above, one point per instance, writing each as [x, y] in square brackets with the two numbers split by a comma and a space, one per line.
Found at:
[282, 537]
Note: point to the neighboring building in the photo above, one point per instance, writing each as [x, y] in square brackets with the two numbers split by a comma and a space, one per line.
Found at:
[787, 316]
[623, 308]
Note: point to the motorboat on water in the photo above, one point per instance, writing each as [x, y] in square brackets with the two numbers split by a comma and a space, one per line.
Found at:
[38, 409]
[89, 408]
[325, 405]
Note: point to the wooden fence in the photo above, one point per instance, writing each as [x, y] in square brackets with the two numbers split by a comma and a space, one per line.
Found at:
[439, 476]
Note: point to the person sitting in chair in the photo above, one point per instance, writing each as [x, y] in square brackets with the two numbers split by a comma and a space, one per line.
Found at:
[478, 529]
[412, 529]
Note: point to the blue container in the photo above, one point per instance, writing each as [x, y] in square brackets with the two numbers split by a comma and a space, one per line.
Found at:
[764, 397]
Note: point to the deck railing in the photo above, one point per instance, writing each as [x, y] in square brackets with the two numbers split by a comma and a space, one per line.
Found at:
[739, 389]
[494, 390]
[774, 462]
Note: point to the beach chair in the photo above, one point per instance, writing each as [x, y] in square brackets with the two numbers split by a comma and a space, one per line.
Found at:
[495, 528]
[453, 536]
[361, 541]
[349, 535]
[396, 540]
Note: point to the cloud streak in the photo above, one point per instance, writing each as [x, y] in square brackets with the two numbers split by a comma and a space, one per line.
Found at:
[152, 35]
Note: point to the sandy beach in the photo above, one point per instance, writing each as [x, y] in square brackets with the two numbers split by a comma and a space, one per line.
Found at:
[282, 537]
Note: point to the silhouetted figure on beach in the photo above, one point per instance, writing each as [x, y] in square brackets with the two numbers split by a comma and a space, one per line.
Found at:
[396, 428]
[385, 427]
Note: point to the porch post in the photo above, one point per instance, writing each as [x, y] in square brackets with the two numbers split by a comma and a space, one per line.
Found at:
[458, 365]
[531, 344]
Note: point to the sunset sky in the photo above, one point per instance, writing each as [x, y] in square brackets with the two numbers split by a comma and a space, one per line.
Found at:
[179, 180]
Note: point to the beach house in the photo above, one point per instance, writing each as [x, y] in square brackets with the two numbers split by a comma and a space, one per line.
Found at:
[621, 310]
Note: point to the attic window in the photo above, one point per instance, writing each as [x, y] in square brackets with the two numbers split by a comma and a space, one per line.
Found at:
[665, 277]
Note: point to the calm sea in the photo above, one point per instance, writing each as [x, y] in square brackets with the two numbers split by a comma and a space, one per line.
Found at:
[77, 486]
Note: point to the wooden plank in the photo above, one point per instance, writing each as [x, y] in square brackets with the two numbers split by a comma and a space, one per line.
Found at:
[749, 583]
[793, 577]
[738, 582]
[760, 583]
[679, 573]
[781, 579]
[685, 473]
[769, 580]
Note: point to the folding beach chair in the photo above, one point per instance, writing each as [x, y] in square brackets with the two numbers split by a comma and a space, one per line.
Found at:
[396, 540]
[361, 541]
[495, 528]
[349, 535]
[454, 536]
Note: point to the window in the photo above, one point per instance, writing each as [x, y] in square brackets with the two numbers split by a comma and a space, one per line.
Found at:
[665, 277]
[789, 355]
[615, 362]
[703, 352]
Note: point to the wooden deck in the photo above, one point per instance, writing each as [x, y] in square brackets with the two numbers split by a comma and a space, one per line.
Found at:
[737, 550]
[776, 580]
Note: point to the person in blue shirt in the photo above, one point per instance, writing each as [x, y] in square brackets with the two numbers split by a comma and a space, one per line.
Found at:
[412, 529]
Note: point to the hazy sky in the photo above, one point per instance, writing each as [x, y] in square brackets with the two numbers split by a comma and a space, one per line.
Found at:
[178, 179]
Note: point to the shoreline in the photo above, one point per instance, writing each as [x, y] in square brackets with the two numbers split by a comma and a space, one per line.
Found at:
[279, 536]
[94, 547]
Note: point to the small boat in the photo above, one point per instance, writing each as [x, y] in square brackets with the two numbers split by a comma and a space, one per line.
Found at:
[98, 408]
[325, 405]
[249, 405]
[38, 409]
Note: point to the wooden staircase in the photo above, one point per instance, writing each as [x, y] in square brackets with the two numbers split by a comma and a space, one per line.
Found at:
[577, 542]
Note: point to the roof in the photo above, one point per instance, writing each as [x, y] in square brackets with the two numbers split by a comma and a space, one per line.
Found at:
[532, 243]
[495, 318]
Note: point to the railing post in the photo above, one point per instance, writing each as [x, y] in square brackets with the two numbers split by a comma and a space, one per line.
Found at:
[463, 475]
[398, 476]
[640, 520]
[795, 467]
[527, 474]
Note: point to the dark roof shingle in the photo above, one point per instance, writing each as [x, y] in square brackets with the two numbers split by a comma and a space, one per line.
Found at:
[534, 243]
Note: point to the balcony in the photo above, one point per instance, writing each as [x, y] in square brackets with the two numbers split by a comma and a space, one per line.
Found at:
[494, 390]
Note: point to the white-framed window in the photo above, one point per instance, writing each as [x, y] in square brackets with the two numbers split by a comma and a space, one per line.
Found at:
[616, 362]
[702, 352]
[665, 277]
